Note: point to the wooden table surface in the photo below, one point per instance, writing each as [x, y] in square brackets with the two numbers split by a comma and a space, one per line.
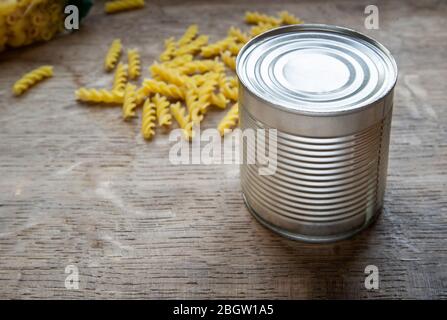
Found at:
[78, 186]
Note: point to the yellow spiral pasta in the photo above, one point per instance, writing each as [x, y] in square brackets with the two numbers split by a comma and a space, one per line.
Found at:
[215, 49]
[129, 103]
[113, 54]
[192, 47]
[154, 86]
[162, 107]
[167, 74]
[219, 100]
[194, 106]
[99, 95]
[121, 5]
[134, 61]
[120, 80]
[258, 18]
[229, 90]
[148, 119]
[183, 121]
[31, 78]
[178, 61]
[229, 121]
[199, 79]
[189, 35]
[261, 28]
[288, 18]
[170, 48]
[234, 48]
[233, 82]
[238, 35]
[229, 60]
[199, 66]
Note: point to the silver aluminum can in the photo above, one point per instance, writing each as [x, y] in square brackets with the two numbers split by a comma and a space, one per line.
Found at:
[328, 91]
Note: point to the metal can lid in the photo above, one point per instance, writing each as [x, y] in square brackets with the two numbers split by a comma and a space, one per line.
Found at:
[316, 69]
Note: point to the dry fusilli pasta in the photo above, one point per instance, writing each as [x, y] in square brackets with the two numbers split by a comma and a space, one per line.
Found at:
[121, 5]
[261, 28]
[178, 61]
[192, 47]
[120, 80]
[113, 54]
[219, 100]
[229, 121]
[199, 66]
[189, 35]
[216, 48]
[129, 103]
[99, 95]
[133, 57]
[167, 74]
[148, 119]
[31, 78]
[288, 18]
[258, 18]
[228, 90]
[179, 114]
[162, 107]
[238, 35]
[169, 51]
[229, 60]
[153, 86]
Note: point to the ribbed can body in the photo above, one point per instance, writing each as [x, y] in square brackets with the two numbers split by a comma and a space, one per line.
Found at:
[330, 167]
[323, 189]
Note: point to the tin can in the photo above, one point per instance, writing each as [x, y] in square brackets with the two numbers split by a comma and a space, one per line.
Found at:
[328, 92]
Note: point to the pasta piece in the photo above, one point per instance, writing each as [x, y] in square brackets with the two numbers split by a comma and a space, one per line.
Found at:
[219, 100]
[258, 18]
[120, 80]
[288, 18]
[167, 74]
[215, 49]
[192, 47]
[153, 86]
[229, 91]
[229, 121]
[148, 118]
[113, 54]
[129, 103]
[233, 81]
[121, 5]
[238, 35]
[194, 106]
[199, 66]
[179, 115]
[234, 48]
[162, 106]
[169, 51]
[133, 57]
[199, 79]
[261, 28]
[229, 60]
[189, 35]
[178, 61]
[31, 78]
[99, 95]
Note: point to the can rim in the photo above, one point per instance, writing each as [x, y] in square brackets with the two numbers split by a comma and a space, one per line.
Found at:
[317, 27]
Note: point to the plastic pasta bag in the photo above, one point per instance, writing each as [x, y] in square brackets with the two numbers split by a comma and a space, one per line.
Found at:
[23, 22]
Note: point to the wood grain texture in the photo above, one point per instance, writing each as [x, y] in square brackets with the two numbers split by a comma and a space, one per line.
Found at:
[80, 186]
